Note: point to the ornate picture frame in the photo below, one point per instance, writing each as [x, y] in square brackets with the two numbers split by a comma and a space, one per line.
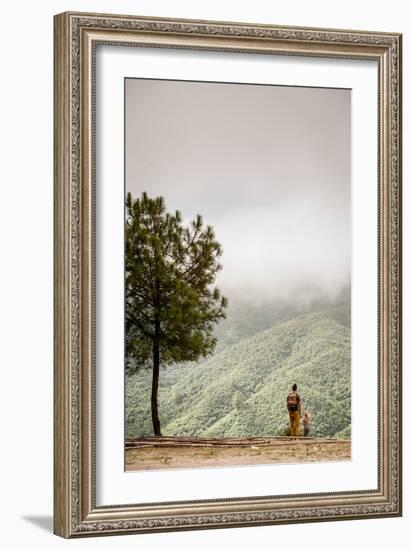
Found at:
[76, 511]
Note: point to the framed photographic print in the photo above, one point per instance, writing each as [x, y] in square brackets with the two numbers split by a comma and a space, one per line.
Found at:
[227, 274]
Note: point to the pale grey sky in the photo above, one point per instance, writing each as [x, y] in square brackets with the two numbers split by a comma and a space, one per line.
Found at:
[268, 167]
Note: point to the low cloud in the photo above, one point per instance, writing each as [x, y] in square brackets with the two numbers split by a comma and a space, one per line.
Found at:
[297, 252]
[269, 167]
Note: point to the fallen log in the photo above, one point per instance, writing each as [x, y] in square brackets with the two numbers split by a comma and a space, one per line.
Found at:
[170, 441]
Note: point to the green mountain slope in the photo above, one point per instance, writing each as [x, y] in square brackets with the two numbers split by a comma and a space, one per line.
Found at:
[241, 390]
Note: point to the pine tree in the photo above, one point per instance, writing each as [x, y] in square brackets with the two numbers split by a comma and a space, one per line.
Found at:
[171, 303]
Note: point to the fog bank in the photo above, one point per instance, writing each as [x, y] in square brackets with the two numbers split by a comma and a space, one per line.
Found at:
[268, 167]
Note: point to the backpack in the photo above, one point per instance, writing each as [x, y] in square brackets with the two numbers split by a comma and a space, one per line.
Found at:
[292, 401]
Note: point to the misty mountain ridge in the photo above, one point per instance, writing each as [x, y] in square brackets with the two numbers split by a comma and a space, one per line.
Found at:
[241, 390]
[246, 317]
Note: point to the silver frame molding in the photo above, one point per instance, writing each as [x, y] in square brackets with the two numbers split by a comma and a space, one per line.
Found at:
[76, 36]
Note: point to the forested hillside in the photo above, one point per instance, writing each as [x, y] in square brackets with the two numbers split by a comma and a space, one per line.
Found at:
[241, 390]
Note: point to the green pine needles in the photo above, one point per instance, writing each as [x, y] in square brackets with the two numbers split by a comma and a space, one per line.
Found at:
[172, 304]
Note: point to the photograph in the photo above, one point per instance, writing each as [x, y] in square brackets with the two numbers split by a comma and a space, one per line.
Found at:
[227, 273]
[237, 274]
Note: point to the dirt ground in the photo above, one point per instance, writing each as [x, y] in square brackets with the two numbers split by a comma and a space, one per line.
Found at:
[173, 453]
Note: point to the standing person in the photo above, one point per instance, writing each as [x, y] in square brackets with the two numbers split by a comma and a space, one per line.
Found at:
[294, 408]
[307, 419]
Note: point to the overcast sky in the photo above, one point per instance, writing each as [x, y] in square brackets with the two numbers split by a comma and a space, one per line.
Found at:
[267, 166]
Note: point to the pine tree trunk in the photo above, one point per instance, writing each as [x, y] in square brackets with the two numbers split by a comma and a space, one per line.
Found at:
[155, 381]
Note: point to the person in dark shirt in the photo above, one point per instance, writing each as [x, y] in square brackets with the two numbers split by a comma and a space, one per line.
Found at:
[293, 404]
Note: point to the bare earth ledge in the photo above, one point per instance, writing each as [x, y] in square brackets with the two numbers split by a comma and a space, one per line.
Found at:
[154, 453]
